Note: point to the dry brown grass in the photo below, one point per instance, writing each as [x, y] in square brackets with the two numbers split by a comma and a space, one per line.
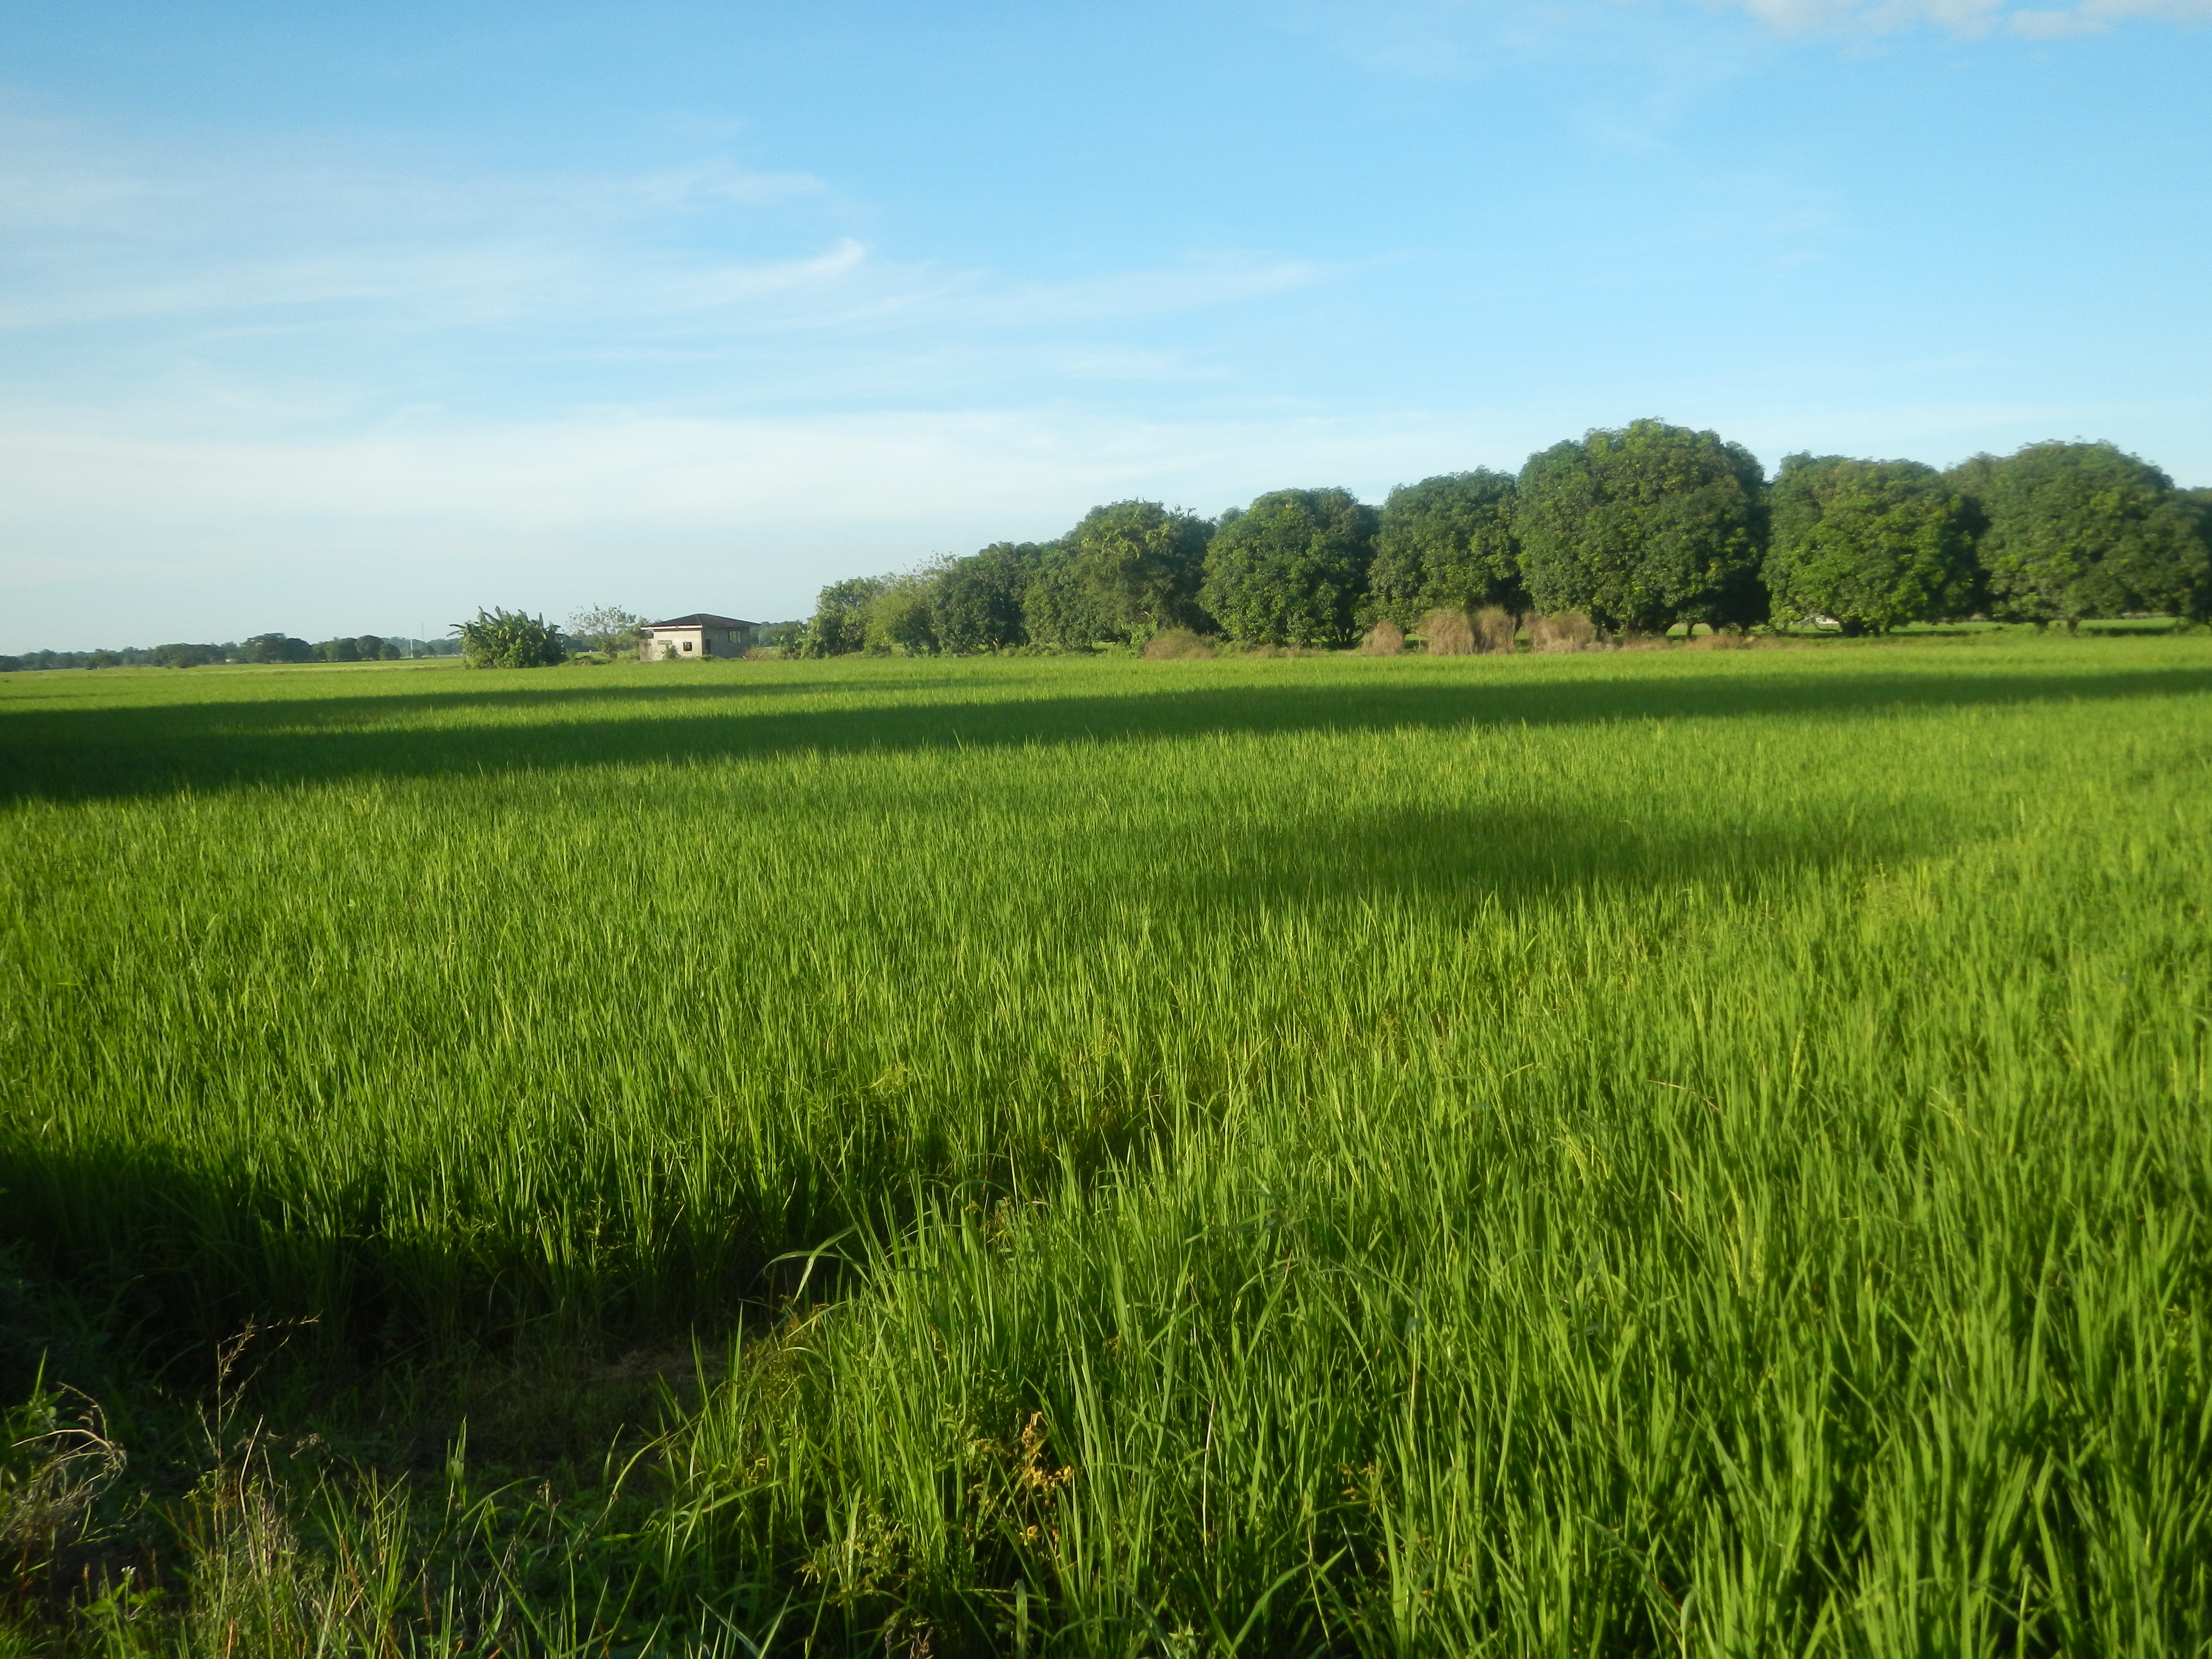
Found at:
[1385, 639]
[1569, 631]
[1496, 628]
[1449, 634]
[1172, 643]
[1720, 641]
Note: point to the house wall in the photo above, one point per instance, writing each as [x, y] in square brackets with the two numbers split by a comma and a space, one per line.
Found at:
[668, 642]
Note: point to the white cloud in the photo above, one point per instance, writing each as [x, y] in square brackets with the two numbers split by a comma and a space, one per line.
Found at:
[254, 274]
[1970, 17]
[1452, 39]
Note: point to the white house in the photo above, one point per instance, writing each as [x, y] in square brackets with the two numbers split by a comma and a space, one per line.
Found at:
[690, 638]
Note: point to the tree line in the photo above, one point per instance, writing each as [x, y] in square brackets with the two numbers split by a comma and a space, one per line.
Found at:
[1639, 529]
[258, 648]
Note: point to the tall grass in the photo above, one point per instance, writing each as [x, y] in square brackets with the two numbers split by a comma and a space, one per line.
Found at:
[1586, 1154]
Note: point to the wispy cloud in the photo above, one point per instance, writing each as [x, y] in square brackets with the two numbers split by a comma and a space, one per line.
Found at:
[1970, 17]
[1449, 39]
[207, 291]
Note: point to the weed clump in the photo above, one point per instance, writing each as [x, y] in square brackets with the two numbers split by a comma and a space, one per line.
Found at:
[1385, 639]
[1720, 640]
[1449, 634]
[1496, 628]
[1171, 644]
[1569, 631]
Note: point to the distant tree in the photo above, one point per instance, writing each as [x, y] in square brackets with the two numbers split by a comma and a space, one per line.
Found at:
[784, 635]
[1644, 527]
[181, 655]
[1058, 607]
[510, 639]
[609, 629]
[1872, 543]
[277, 647]
[1139, 565]
[840, 623]
[1290, 570]
[978, 604]
[1972, 476]
[342, 650]
[1445, 543]
[2079, 529]
[901, 618]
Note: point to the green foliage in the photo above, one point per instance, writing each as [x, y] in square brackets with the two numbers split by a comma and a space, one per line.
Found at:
[510, 639]
[1874, 544]
[366, 647]
[1059, 608]
[1644, 527]
[277, 647]
[1290, 568]
[978, 603]
[1138, 566]
[901, 618]
[183, 655]
[2085, 530]
[840, 624]
[610, 629]
[1445, 543]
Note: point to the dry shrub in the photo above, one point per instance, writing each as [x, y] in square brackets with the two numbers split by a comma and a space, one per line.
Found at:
[1569, 631]
[1495, 629]
[1717, 640]
[1449, 634]
[1171, 643]
[55, 1459]
[1385, 639]
[1644, 642]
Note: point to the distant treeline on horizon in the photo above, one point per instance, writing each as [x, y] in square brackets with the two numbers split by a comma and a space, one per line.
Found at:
[260, 648]
[1640, 528]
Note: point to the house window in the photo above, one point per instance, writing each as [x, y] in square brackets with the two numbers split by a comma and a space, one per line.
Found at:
[687, 645]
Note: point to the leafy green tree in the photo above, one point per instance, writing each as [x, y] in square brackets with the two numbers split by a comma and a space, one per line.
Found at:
[2080, 530]
[185, 655]
[1872, 543]
[1445, 543]
[1059, 608]
[840, 623]
[1139, 566]
[902, 616]
[1291, 568]
[610, 629]
[1644, 527]
[978, 604]
[277, 647]
[509, 639]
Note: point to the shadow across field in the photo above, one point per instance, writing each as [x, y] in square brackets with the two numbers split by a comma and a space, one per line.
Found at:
[667, 1225]
[96, 752]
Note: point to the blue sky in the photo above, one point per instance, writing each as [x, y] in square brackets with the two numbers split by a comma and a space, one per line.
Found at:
[341, 318]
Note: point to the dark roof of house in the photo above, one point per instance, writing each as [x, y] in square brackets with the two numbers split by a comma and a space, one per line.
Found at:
[703, 619]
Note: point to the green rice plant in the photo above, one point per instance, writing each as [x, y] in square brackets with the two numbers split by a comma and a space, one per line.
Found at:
[1588, 1153]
